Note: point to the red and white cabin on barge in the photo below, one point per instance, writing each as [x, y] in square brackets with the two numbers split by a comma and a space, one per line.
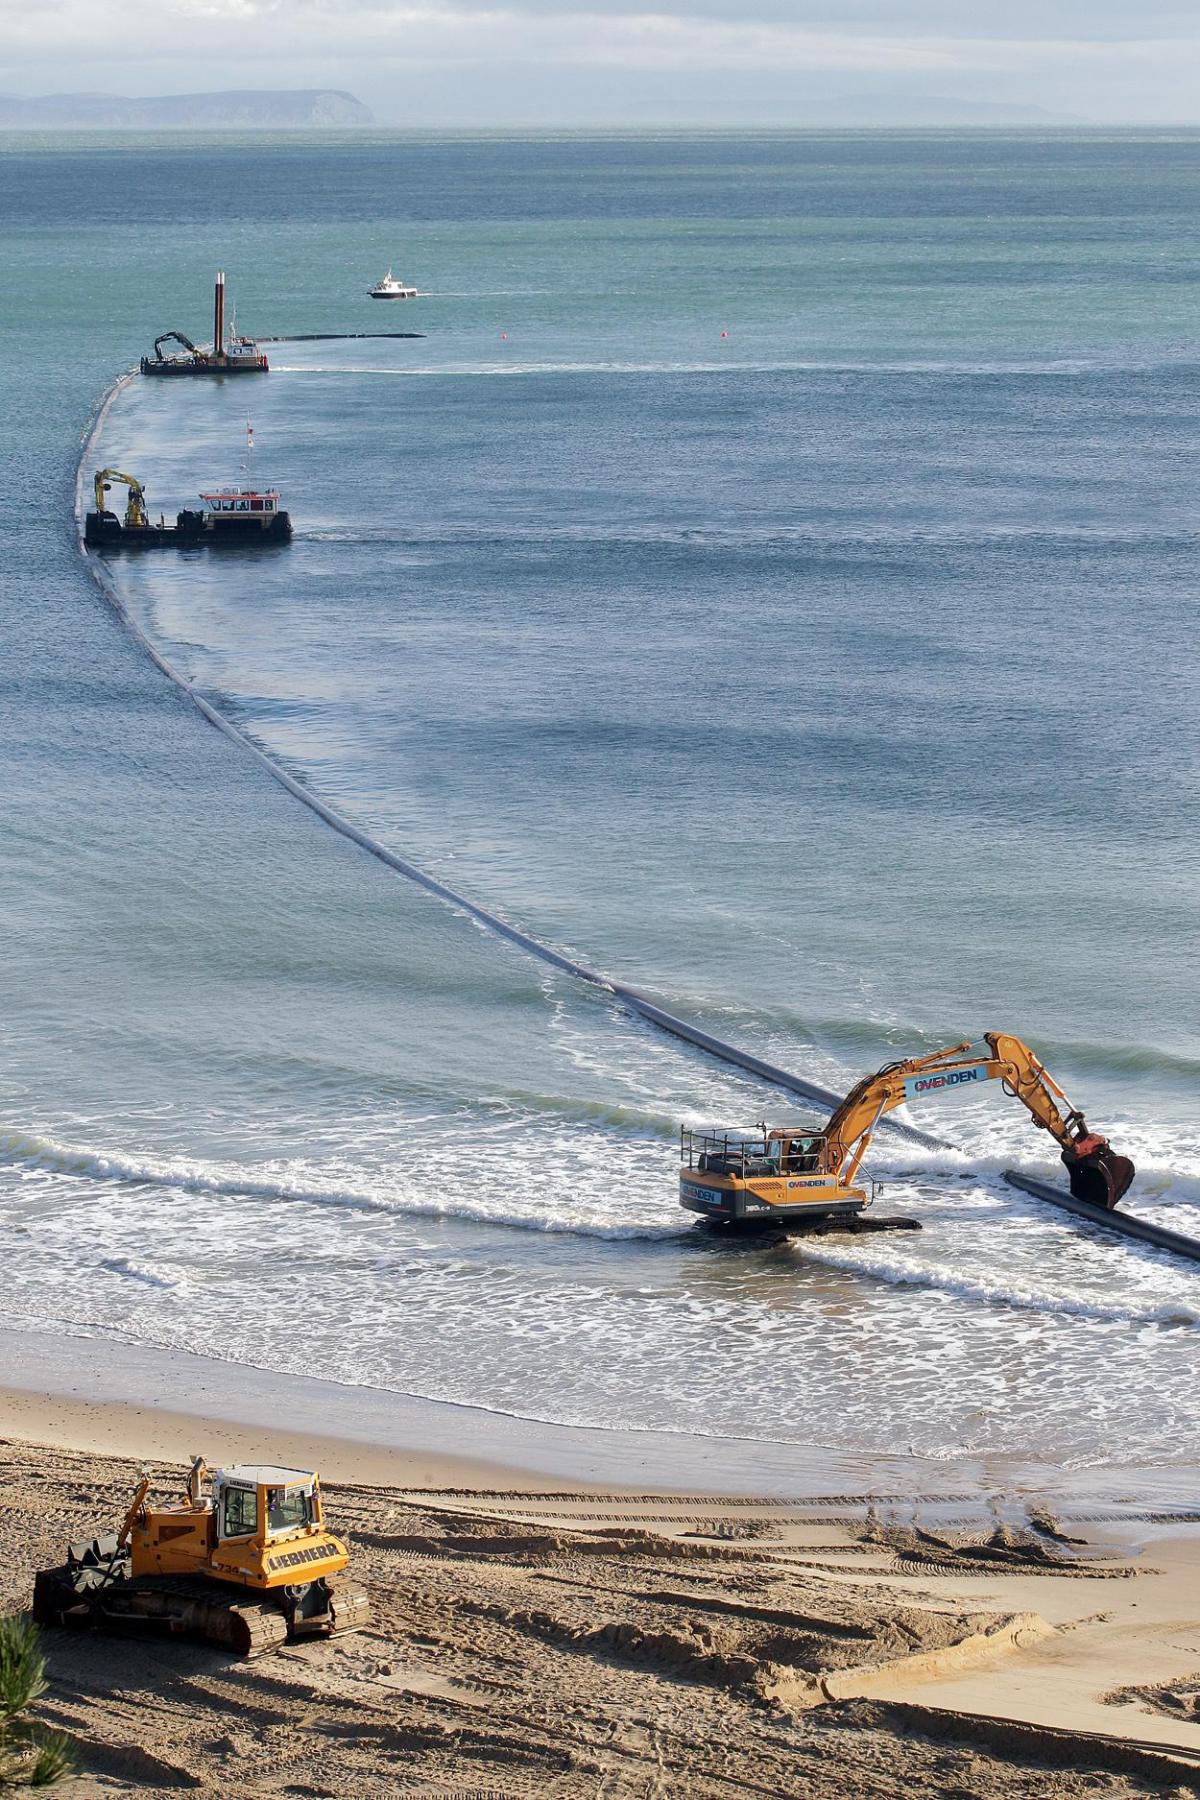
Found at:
[238, 513]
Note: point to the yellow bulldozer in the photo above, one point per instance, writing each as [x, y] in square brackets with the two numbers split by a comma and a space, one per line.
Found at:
[798, 1174]
[242, 1559]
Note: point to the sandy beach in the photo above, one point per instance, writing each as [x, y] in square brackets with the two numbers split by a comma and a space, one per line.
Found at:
[574, 1639]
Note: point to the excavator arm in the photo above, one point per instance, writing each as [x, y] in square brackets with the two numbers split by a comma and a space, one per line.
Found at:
[179, 339]
[135, 510]
[1095, 1171]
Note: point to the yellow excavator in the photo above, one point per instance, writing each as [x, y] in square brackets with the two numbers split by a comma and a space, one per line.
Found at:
[808, 1172]
[135, 510]
[242, 1559]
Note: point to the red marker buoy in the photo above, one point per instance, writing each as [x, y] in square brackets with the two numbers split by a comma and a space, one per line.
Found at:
[724, 334]
[504, 337]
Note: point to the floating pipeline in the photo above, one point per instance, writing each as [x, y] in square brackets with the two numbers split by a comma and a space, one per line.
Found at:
[636, 1002]
[1108, 1219]
[630, 997]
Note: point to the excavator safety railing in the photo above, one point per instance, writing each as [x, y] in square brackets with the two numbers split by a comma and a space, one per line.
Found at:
[725, 1153]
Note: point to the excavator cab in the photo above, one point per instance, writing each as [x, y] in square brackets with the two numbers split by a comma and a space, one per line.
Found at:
[795, 1149]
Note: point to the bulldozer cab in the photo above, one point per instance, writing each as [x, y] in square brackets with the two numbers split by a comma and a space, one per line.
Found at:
[259, 1501]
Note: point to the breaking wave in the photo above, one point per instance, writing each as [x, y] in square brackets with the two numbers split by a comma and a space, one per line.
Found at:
[198, 1178]
[1007, 1293]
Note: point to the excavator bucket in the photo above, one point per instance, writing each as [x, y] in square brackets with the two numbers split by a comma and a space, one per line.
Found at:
[1100, 1178]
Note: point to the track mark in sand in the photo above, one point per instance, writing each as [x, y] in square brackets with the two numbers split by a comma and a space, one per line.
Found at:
[1173, 1699]
[1005, 1549]
[1063, 1749]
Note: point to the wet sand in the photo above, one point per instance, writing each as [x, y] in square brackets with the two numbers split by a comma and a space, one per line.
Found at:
[156, 1386]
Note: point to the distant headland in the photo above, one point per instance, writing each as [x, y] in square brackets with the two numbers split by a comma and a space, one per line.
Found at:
[246, 109]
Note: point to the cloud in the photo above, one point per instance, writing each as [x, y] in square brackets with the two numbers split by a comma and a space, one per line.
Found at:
[1097, 58]
[685, 34]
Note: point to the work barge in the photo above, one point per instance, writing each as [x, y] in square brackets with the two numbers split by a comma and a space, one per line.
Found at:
[243, 517]
[230, 353]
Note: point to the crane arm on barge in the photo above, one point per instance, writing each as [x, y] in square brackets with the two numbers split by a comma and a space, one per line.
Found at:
[135, 510]
[179, 338]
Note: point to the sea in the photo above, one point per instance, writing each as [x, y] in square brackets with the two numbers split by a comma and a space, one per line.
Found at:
[769, 578]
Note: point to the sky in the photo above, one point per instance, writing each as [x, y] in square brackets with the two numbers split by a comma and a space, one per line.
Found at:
[686, 62]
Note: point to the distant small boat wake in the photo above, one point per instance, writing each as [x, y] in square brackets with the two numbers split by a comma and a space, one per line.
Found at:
[637, 1002]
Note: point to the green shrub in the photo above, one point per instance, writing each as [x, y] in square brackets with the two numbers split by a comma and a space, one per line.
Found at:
[29, 1756]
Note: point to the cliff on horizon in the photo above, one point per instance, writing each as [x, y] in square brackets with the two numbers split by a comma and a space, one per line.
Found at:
[241, 110]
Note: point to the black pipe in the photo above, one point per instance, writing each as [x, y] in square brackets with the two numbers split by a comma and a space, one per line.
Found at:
[1110, 1220]
[333, 337]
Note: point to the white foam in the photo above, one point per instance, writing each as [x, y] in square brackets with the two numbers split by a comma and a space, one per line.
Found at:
[146, 1273]
[201, 1178]
[695, 366]
[1000, 1292]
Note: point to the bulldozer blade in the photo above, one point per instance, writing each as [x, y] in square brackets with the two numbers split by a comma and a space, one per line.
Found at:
[1099, 1179]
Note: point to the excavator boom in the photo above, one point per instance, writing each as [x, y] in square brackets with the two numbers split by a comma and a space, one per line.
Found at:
[179, 339]
[1095, 1171]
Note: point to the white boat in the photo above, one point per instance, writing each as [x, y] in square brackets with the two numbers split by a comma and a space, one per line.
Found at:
[391, 289]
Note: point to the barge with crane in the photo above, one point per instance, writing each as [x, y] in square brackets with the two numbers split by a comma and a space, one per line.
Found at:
[230, 354]
[247, 517]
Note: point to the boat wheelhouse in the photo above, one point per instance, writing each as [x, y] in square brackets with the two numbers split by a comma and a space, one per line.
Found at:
[242, 500]
[237, 512]
[243, 353]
